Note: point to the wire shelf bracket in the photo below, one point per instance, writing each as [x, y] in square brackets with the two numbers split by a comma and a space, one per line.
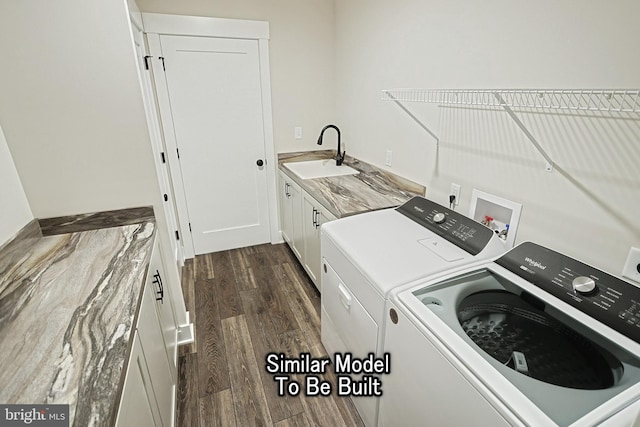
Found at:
[413, 116]
[523, 128]
[594, 100]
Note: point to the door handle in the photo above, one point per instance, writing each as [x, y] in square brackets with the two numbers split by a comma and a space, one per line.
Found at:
[260, 162]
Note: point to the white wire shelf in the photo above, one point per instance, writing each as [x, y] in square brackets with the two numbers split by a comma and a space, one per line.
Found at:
[603, 100]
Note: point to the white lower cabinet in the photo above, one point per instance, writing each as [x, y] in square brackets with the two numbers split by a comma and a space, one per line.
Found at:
[148, 396]
[291, 214]
[301, 217]
[138, 405]
[164, 307]
[314, 215]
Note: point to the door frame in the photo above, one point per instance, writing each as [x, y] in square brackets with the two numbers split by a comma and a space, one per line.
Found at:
[171, 251]
[157, 144]
[155, 25]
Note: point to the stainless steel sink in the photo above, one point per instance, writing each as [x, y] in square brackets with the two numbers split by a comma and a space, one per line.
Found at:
[319, 169]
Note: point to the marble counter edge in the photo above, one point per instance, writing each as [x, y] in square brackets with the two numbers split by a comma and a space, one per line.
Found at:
[115, 407]
[95, 220]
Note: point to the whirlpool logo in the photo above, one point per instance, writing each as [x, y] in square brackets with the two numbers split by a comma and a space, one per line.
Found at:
[534, 263]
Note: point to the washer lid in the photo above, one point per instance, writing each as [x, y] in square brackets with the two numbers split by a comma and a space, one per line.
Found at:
[531, 342]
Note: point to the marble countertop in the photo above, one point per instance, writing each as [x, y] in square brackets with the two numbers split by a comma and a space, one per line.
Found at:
[372, 189]
[68, 307]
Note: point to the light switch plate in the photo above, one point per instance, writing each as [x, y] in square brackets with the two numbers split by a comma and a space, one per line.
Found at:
[631, 268]
[297, 131]
[388, 159]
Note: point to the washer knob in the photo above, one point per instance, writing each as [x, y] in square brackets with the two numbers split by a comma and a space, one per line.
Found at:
[439, 218]
[584, 285]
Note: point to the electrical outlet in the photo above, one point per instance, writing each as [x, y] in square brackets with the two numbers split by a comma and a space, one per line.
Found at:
[455, 191]
[297, 131]
[631, 268]
[388, 159]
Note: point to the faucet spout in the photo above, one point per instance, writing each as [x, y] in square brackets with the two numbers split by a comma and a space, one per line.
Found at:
[340, 155]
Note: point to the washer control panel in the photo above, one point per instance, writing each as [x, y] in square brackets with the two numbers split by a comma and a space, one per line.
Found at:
[452, 226]
[604, 297]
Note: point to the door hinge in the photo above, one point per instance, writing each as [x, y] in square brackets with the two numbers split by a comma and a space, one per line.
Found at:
[162, 59]
[178, 152]
[177, 235]
[189, 226]
[164, 160]
[146, 61]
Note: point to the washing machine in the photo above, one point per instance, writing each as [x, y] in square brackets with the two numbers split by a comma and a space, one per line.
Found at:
[367, 255]
[534, 338]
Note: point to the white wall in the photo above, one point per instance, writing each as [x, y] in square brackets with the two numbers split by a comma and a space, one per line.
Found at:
[16, 212]
[588, 207]
[71, 107]
[301, 58]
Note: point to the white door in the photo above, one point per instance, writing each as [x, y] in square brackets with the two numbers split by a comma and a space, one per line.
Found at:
[216, 105]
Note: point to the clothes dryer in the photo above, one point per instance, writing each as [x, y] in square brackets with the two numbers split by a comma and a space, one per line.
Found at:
[367, 255]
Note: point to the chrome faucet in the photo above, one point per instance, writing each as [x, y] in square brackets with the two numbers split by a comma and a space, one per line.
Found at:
[339, 155]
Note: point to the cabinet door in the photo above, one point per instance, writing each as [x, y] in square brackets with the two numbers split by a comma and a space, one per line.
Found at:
[154, 349]
[286, 221]
[297, 239]
[311, 260]
[290, 214]
[137, 405]
[313, 218]
[164, 307]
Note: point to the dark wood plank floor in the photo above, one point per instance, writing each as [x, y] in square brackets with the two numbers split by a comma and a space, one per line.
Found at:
[245, 303]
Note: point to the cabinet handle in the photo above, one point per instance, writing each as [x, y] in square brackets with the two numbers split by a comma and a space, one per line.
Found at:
[157, 280]
[286, 189]
[317, 219]
[313, 216]
[345, 296]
